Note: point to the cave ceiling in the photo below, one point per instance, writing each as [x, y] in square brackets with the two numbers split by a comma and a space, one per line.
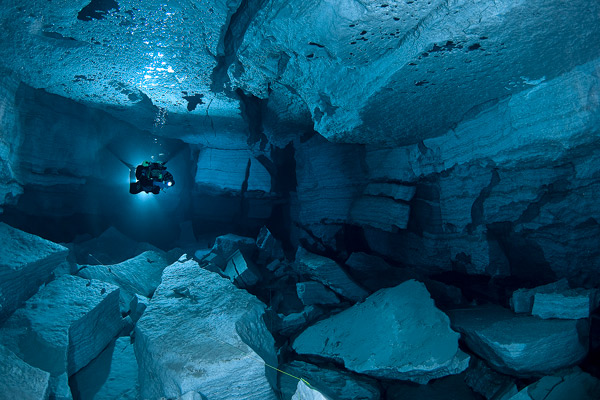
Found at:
[390, 72]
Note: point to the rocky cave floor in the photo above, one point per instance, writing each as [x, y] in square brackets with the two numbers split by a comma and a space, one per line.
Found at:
[110, 318]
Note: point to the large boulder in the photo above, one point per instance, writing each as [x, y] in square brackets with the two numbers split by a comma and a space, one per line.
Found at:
[329, 273]
[65, 325]
[139, 275]
[18, 380]
[26, 262]
[406, 338]
[202, 335]
[518, 344]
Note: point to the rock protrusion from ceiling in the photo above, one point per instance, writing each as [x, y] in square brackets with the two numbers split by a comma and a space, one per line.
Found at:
[386, 75]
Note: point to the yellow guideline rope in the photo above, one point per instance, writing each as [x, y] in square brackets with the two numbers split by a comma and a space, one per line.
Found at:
[259, 359]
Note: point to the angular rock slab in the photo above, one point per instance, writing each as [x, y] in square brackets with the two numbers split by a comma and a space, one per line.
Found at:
[201, 334]
[329, 273]
[18, 380]
[241, 270]
[555, 300]
[406, 337]
[521, 345]
[575, 385]
[65, 325]
[140, 274]
[338, 385]
[26, 262]
[311, 293]
[226, 245]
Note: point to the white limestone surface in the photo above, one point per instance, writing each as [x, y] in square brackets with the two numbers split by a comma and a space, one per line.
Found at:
[396, 333]
[65, 325]
[305, 392]
[26, 262]
[201, 334]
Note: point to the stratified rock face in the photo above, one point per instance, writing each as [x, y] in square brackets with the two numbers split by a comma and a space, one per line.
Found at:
[521, 345]
[329, 178]
[202, 334]
[304, 392]
[227, 170]
[140, 274]
[10, 188]
[555, 300]
[380, 212]
[510, 190]
[18, 380]
[406, 338]
[335, 384]
[329, 273]
[574, 384]
[26, 262]
[65, 325]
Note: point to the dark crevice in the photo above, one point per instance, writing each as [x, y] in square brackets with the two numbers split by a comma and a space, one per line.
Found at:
[525, 257]
[555, 191]
[252, 109]
[97, 9]
[477, 207]
[231, 41]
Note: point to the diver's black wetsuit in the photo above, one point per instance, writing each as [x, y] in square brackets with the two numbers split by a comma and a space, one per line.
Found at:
[151, 177]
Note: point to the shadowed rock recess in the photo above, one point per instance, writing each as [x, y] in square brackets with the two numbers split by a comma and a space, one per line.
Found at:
[372, 200]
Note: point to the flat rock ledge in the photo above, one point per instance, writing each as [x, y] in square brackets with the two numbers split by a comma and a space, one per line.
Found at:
[521, 345]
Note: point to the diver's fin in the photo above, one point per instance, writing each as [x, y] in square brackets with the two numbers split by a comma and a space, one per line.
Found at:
[131, 167]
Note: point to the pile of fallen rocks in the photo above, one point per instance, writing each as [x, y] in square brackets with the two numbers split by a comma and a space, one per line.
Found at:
[247, 320]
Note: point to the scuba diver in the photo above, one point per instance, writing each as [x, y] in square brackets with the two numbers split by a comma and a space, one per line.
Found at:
[151, 178]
